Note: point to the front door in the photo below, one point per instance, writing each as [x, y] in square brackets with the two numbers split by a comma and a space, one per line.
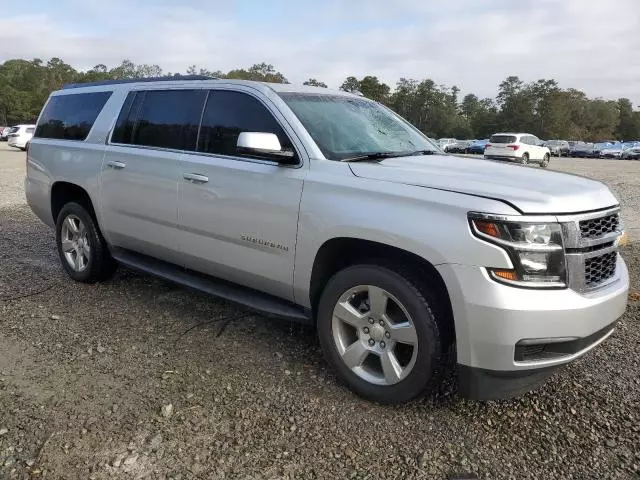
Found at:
[139, 179]
[238, 215]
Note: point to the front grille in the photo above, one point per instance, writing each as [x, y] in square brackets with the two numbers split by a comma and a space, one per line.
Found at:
[598, 227]
[599, 269]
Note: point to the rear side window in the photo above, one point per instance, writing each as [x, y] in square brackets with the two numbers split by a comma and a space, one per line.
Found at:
[31, 130]
[71, 117]
[227, 114]
[503, 139]
[160, 118]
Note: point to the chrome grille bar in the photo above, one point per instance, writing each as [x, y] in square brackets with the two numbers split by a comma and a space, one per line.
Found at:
[589, 267]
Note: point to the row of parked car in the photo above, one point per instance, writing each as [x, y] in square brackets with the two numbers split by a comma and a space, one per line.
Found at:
[17, 136]
[559, 148]
[621, 150]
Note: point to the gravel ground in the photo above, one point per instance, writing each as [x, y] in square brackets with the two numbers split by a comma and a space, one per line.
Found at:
[136, 378]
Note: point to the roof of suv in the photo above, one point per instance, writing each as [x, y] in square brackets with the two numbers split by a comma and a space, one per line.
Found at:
[199, 81]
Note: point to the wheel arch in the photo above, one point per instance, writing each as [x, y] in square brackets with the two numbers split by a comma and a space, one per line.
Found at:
[63, 192]
[338, 253]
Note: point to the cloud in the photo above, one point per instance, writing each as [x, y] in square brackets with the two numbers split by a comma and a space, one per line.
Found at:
[467, 43]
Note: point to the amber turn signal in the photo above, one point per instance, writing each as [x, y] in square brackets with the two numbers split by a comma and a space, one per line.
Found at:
[488, 228]
[506, 274]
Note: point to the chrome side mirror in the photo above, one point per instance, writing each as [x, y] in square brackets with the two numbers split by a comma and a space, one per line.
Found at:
[265, 145]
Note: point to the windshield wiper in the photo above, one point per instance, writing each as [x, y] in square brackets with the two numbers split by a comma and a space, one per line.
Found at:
[382, 155]
[373, 156]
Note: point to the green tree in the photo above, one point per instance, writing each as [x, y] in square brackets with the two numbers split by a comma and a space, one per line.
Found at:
[351, 84]
[628, 127]
[369, 86]
[194, 70]
[261, 72]
[312, 82]
[540, 107]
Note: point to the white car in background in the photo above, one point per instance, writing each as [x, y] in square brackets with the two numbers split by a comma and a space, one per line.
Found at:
[523, 148]
[20, 135]
[445, 143]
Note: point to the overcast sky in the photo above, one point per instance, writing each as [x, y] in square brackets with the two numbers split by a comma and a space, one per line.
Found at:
[593, 45]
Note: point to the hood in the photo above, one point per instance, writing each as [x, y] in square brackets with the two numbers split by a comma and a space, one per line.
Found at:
[529, 189]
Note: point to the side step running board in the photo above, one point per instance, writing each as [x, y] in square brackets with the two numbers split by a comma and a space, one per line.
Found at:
[252, 299]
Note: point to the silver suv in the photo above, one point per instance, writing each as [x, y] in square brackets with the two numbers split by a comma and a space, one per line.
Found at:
[328, 208]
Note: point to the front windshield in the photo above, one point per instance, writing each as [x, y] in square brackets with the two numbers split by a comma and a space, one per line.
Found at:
[344, 127]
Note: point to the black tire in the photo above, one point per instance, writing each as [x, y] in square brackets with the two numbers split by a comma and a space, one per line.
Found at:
[100, 265]
[525, 159]
[545, 161]
[419, 302]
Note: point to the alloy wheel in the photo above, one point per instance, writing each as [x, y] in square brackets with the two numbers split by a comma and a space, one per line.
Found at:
[75, 243]
[374, 335]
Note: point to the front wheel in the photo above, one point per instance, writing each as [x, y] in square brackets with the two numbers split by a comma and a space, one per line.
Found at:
[545, 161]
[378, 330]
[82, 249]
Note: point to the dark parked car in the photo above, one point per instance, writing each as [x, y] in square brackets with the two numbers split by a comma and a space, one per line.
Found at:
[584, 150]
[477, 147]
[600, 148]
[558, 148]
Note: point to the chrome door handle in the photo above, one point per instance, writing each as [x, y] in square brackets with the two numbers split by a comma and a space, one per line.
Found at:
[116, 165]
[195, 178]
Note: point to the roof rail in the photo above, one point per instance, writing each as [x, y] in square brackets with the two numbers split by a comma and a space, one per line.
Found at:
[138, 80]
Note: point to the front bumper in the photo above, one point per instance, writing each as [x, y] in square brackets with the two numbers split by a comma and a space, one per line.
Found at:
[491, 319]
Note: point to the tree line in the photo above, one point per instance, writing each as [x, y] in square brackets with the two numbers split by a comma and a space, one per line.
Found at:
[540, 107]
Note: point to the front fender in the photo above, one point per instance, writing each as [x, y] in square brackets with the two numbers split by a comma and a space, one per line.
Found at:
[426, 222]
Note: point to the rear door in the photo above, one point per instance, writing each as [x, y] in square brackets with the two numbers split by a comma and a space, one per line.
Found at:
[139, 180]
[529, 146]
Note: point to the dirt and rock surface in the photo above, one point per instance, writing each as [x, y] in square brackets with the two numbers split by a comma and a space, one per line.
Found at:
[137, 378]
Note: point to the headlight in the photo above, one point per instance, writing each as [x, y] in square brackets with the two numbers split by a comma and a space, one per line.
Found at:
[535, 249]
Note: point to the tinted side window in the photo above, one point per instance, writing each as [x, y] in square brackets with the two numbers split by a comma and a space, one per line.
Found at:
[127, 118]
[227, 114]
[71, 117]
[161, 118]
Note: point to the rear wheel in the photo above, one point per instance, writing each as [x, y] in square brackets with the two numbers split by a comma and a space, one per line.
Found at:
[82, 249]
[377, 330]
[545, 161]
[525, 159]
